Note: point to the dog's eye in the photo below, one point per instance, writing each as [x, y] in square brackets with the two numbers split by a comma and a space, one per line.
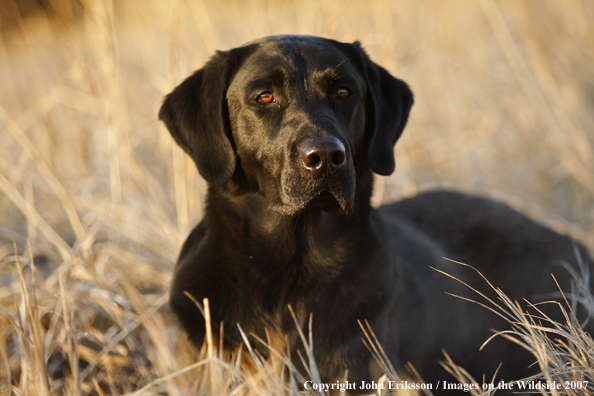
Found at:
[265, 97]
[342, 93]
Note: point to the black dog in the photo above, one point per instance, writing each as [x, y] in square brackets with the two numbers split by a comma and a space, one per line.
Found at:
[287, 131]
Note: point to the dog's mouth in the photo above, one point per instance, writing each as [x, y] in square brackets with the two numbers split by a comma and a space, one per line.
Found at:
[332, 198]
[302, 190]
[328, 202]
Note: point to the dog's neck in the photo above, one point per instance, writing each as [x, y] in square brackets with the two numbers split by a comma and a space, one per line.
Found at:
[246, 222]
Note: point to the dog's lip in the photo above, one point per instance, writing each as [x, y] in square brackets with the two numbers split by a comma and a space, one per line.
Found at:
[324, 200]
[328, 202]
[328, 193]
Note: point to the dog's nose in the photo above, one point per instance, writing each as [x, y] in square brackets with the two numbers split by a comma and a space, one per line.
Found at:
[319, 154]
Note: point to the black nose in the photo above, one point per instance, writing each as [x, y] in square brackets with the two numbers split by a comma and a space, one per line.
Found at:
[319, 154]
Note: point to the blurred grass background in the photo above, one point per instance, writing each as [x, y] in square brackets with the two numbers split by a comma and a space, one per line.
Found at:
[88, 176]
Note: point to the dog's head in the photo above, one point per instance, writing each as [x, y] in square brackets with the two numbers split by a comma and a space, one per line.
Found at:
[294, 118]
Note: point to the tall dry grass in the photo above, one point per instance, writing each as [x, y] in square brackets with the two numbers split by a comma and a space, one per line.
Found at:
[96, 198]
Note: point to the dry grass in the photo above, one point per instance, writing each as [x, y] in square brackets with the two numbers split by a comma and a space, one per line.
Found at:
[563, 352]
[505, 100]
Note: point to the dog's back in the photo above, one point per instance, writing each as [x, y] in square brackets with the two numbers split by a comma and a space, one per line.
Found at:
[509, 249]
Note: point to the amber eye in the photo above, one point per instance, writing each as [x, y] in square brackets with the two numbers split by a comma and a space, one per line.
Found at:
[265, 97]
[342, 93]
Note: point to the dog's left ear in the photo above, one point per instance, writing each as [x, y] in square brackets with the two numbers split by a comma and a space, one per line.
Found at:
[389, 101]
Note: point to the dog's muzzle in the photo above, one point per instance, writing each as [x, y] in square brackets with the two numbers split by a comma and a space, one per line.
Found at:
[322, 178]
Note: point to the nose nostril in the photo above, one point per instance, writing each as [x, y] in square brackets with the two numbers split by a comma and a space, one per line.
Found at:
[312, 160]
[338, 158]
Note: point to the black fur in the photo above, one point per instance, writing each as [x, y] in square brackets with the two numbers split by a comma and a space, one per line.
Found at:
[277, 232]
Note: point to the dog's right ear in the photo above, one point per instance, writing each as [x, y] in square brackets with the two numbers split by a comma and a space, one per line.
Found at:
[197, 116]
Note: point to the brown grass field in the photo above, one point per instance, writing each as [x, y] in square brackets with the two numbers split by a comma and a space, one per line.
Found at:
[96, 199]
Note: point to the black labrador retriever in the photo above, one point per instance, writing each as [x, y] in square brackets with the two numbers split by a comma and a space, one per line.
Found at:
[287, 131]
